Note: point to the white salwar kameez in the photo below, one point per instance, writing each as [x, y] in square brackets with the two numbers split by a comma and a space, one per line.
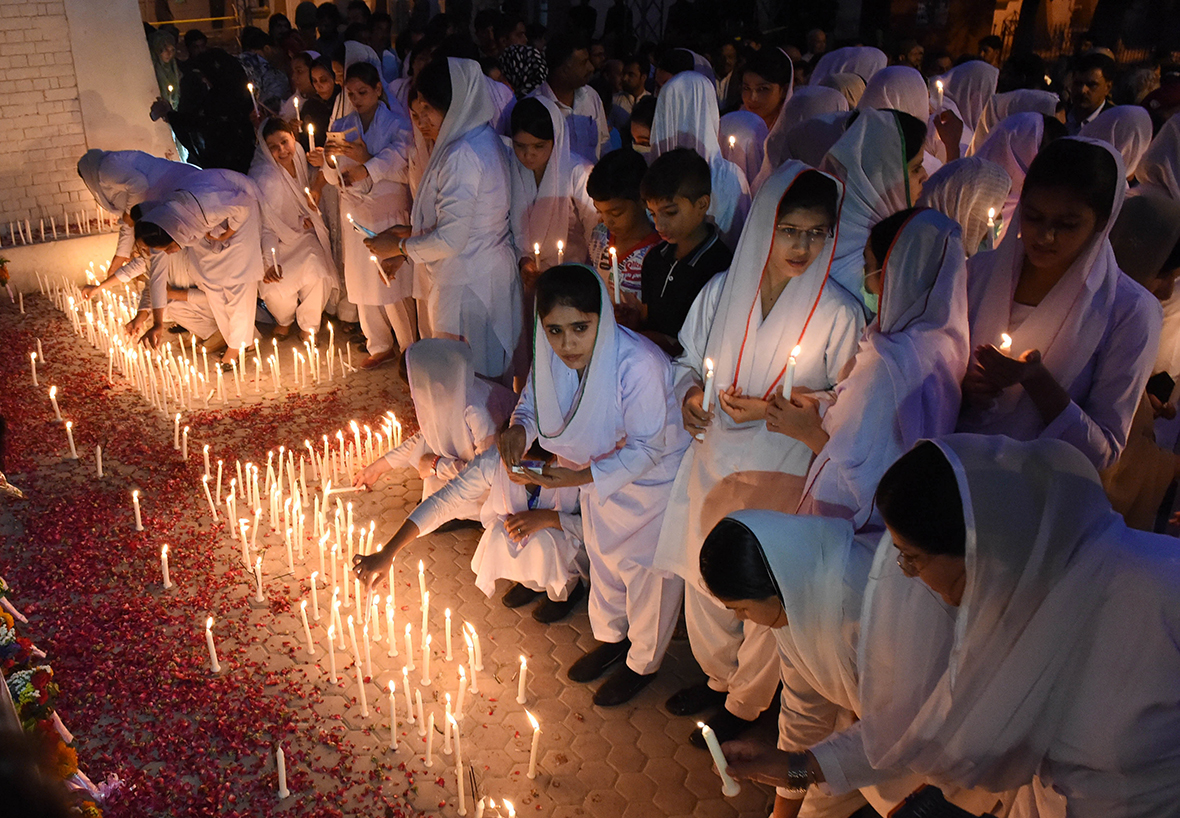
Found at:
[585, 120]
[904, 384]
[210, 203]
[621, 420]
[687, 117]
[735, 465]
[377, 203]
[1097, 332]
[465, 268]
[192, 313]
[304, 255]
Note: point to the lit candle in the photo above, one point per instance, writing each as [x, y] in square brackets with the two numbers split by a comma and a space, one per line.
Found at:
[33, 363]
[409, 647]
[98, 459]
[471, 662]
[462, 792]
[391, 636]
[208, 496]
[789, 381]
[991, 228]
[729, 787]
[53, 399]
[253, 99]
[478, 649]
[176, 433]
[356, 653]
[511, 809]
[421, 719]
[560, 251]
[258, 597]
[447, 720]
[537, 254]
[368, 651]
[426, 661]
[295, 99]
[422, 583]
[614, 273]
[938, 86]
[392, 716]
[311, 146]
[1005, 342]
[430, 741]
[280, 758]
[274, 261]
[450, 657]
[707, 399]
[380, 270]
[213, 665]
[164, 567]
[462, 692]
[331, 654]
[184, 444]
[521, 698]
[70, 437]
[536, 742]
[360, 686]
[406, 691]
[138, 518]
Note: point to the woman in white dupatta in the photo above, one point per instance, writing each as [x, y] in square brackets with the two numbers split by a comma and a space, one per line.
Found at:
[293, 227]
[879, 160]
[775, 298]
[805, 104]
[864, 61]
[1083, 336]
[601, 397]
[458, 415]
[1159, 169]
[687, 117]
[743, 141]
[1052, 652]
[550, 206]
[851, 86]
[466, 278]
[904, 384]
[968, 190]
[1013, 145]
[902, 88]
[1127, 127]
[1002, 106]
[971, 85]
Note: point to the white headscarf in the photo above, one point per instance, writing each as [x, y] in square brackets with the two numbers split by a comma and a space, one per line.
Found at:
[749, 140]
[1159, 169]
[899, 87]
[1009, 103]
[266, 171]
[965, 190]
[1013, 145]
[850, 86]
[971, 85]
[758, 368]
[1063, 648]
[810, 140]
[864, 61]
[1061, 326]
[807, 103]
[870, 159]
[442, 377]
[541, 213]
[191, 211]
[905, 383]
[1127, 127]
[355, 52]
[471, 108]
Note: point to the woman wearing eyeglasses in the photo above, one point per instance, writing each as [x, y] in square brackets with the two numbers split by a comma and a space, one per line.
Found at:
[746, 322]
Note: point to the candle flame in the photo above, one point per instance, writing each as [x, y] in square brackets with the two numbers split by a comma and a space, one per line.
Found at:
[53, 391]
[303, 604]
[421, 566]
[560, 245]
[1005, 341]
[795, 352]
[991, 214]
[209, 623]
[135, 494]
[708, 365]
[447, 613]
[408, 627]
[429, 639]
[536, 247]
[405, 672]
[533, 720]
[164, 550]
[331, 633]
[613, 252]
[451, 719]
[391, 687]
[462, 673]
[700, 725]
[69, 424]
[938, 84]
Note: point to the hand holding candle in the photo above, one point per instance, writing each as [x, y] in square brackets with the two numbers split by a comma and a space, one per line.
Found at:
[729, 787]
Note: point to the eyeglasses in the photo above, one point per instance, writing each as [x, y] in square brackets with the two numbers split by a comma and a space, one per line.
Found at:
[909, 564]
[807, 237]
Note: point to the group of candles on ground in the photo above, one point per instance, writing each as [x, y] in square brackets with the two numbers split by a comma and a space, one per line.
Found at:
[22, 232]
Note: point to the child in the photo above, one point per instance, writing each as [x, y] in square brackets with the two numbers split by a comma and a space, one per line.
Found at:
[614, 187]
[677, 191]
[642, 116]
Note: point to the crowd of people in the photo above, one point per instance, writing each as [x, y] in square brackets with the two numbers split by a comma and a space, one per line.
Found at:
[846, 356]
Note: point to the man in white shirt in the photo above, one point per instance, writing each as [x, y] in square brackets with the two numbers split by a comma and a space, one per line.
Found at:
[1090, 86]
[570, 69]
[635, 70]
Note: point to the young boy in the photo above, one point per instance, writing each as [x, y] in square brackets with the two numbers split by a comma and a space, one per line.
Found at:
[613, 185]
[676, 190]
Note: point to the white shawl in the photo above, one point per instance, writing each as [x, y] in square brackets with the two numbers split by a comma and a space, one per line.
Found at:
[864, 61]
[749, 140]
[971, 85]
[1127, 128]
[1013, 145]
[808, 102]
[965, 190]
[905, 380]
[1008, 103]
[1159, 169]
[900, 88]
[272, 179]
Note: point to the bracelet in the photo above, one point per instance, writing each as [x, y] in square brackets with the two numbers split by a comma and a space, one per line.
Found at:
[434, 465]
[799, 778]
[401, 246]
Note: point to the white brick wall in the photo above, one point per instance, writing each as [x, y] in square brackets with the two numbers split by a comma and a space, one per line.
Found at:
[41, 129]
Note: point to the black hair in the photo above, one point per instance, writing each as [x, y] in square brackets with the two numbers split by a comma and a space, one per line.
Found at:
[305, 58]
[617, 175]
[1053, 130]
[678, 172]
[325, 63]
[457, 45]
[505, 24]
[918, 497]
[991, 41]
[254, 38]
[532, 117]
[1172, 263]
[1086, 170]
[339, 53]
[561, 47]
[676, 61]
[884, 232]
[274, 20]
[274, 124]
[913, 134]
[811, 190]
[641, 61]
[644, 111]
[358, 33]
[366, 73]
[486, 18]
[772, 65]
[380, 18]
[152, 234]
[361, 6]
[1088, 62]
[328, 12]
[569, 285]
[733, 564]
[433, 84]
[194, 35]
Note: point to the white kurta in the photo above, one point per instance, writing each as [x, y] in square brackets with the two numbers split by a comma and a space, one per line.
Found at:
[586, 121]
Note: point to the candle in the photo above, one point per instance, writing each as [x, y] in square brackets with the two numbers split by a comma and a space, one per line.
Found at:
[176, 433]
[392, 716]
[205, 452]
[70, 437]
[98, 459]
[306, 626]
[406, 691]
[511, 809]
[939, 87]
[418, 705]
[356, 653]
[360, 686]
[560, 251]
[310, 145]
[409, 647]
[536, 743]
[462, 692]
[380, 270]
[184, 444]
[614, 273]
[478, 650]
[729, 787]
[315, 598]
[450, 657]
[213, 665]
[368, 651]
[537, 255]
[40, 354]
[274, 261]
[295, 99]
[426, 661]
[53, 399]
[462, 793]
[208, 496]
[421, 583]
[447, 719]
[707, 399]
[471, 662]
[253, 99]
[990, 239]
[789, 382]
[425, 614]
[521, 698]
[164, 567]
[430, 741]
[138, 518]
[1005, 342]
[33, 363]
[280, 758]
[332, 653]
[258, 597]
[732, 142]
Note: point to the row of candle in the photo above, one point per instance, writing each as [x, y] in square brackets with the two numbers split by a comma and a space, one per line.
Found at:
[23, 231]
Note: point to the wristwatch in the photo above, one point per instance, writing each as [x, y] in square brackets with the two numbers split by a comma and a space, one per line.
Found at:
[401, 246]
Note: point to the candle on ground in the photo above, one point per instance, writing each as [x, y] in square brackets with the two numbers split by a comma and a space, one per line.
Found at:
[135, 503]
[447, 719]
[33, 362]
[462, 692]
[315, 597]
[418, 705]
[258, 597]
[184, 444]
[391, 636]
[205, 452]
[176, 433]
[306, 626]
[392, 716]
[471, 662]
[281, 762]
[462, 792]
[430, 741]
[213, 665]
[208, 496]
[406, 691]
[426, 661]
[409, 647]
[164, 567]
[521, 681]
[425, 614]
[53, 399]
[331, 654]
[536, 743]
[729, 787]
[421, 583]
[360, 686]
[478, 649]
[450, 657]
[368, 651]
[70, 437]
[98, 459]
[356, 652]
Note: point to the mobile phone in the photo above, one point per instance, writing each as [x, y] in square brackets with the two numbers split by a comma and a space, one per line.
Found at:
[1161, 385]
[529, 467]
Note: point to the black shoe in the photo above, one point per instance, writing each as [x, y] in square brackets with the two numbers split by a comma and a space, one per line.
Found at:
[726, 725]
[459, 525]
[621, 687]
[518, 596]
[549, 611]
[595, 663]
[694, 699]
[177, 329]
